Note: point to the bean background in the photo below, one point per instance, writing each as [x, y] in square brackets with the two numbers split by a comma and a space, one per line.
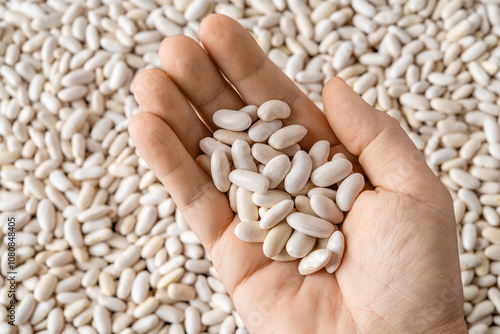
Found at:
[100, 245]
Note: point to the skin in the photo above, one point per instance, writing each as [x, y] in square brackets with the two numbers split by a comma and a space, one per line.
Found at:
[400, 272]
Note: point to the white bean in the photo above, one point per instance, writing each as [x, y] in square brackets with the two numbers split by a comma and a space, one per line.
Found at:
[249, 180]
[247, 210]
[310, 225]
[276, 239]
[336, 246]
[220, 170]
[326, 208]
[232, 120]
[299, 244]
[315, 261]
[273, 109]
[276, 214]
[331, 172]
[287, 136]
[250, 231]
[348, 190]
[276, 170]
[299, 172]
[242, 158]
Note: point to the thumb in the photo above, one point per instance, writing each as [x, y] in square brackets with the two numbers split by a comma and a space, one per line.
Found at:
[387, 155]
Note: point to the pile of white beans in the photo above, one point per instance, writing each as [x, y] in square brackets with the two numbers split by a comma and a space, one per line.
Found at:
[100, 247]
[249, 158]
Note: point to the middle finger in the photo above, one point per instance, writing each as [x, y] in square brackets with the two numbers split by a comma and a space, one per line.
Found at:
[257, 78]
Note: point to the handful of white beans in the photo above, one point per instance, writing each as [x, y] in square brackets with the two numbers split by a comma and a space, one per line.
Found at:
[286, 198]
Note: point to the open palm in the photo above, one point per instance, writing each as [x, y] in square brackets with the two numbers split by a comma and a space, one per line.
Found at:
[400, 271]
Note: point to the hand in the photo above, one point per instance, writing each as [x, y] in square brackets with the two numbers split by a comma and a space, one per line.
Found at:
[400, 272]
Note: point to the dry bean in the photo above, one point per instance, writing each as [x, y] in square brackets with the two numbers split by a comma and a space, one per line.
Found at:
[299, 244]
[325, 208]
[264, 153]
[276, 214]
[315, 261]
[336, 246]
[273, 109]
[319, 153]
[287, 136]
[310, 225]
[269, 199]
[276, 170]
[249, 180]
[242, 158]
[250, 231]
[276, 239]
[220, 170]
[232, 120]
[348, 190]
[331, 172]
[299, 172]
[179, 291]
[229, 137]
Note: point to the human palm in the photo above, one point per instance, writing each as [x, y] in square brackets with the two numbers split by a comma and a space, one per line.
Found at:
[400, 270]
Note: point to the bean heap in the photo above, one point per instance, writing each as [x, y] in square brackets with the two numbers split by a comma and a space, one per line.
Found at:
[259, 163]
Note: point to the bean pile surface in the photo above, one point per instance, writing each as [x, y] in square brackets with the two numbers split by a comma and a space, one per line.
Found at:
[100, 246]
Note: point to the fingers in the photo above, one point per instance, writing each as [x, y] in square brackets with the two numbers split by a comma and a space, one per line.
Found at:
[192, 70]
[190, 188]
[256, 78]
[387, 155]
[157, 93]
[205, 208]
